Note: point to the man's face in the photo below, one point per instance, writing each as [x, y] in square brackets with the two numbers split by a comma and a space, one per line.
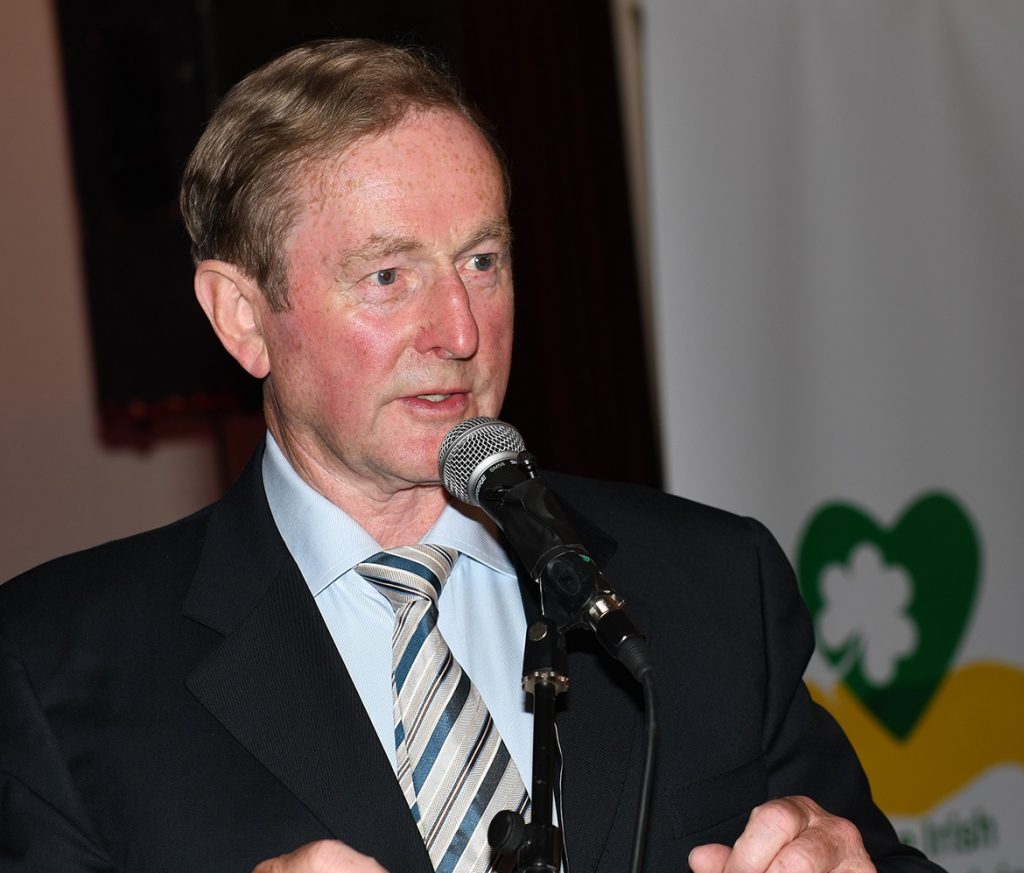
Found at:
[400, 316]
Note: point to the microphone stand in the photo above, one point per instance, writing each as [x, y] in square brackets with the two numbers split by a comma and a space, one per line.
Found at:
[538, 845]
[483, 462]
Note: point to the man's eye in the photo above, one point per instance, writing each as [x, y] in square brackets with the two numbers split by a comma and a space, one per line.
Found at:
[483, 263]
[386, 277]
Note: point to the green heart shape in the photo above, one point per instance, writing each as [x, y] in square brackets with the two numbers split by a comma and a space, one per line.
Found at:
[935, 544]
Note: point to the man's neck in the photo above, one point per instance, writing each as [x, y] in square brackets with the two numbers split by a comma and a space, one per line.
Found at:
[393, 514]
[397, 522]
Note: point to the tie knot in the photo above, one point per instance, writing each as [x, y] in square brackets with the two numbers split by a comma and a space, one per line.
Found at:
[409, 571]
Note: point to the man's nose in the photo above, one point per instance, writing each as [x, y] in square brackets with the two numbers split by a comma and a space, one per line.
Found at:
[449, 328]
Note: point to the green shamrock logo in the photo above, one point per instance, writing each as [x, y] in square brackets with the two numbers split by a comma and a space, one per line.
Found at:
[890, 606]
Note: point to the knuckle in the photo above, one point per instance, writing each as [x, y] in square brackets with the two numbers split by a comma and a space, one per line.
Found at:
[798, 857]
[846, 832]
[775, 815]
[318, 856]
[805, 804]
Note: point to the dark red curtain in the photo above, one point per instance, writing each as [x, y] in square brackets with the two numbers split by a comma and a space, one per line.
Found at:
[545, 74]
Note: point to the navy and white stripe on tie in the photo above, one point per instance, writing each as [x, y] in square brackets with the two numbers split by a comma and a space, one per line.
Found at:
[452, 764]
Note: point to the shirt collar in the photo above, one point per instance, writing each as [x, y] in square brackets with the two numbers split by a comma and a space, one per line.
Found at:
[326, 542]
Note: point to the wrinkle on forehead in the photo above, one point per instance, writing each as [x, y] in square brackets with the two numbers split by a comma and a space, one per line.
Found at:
[322, 178]
[366, 172]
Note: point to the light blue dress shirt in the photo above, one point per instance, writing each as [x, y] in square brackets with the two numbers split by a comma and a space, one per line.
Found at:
[480, 609]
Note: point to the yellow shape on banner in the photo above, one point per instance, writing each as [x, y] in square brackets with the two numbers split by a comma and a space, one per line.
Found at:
[975, 721]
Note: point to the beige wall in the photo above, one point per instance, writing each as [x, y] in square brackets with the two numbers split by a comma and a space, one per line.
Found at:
[59, 488]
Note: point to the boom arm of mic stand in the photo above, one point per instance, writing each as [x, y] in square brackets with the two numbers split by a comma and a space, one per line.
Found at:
[538, 845]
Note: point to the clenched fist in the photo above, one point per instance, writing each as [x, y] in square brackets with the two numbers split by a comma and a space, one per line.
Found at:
[323, 856]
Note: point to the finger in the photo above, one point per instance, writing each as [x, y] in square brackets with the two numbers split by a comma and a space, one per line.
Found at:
[335, 855]
[709, 858]
[322, 856]
[770, 827]
[811, 852]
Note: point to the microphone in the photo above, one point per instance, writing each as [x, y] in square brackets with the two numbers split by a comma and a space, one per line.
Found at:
[484, 462]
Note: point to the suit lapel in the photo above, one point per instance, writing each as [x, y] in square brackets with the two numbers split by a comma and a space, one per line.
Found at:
[278, 685]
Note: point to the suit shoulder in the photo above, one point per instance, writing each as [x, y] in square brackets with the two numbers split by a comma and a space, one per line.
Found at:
[113, 568]
[642, 509]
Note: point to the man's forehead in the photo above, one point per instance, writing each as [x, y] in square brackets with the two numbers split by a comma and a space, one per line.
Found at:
[435, 166]
[326, 175]
[407, 165]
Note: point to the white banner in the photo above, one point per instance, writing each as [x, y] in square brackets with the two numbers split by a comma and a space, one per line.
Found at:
[838, 235]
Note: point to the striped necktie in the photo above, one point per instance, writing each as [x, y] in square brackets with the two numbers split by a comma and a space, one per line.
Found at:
[452, 764]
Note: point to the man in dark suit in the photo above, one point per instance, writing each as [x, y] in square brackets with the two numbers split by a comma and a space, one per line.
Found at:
[217, 695]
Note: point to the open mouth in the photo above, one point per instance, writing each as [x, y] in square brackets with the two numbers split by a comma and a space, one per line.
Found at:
[433, 398]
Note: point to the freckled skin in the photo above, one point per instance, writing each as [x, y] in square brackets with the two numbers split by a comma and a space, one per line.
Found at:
[400, 285]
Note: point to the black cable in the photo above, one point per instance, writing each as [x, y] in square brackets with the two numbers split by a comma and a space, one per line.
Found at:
[643, 812]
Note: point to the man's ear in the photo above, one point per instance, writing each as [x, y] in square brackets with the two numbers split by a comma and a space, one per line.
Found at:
[233, 302]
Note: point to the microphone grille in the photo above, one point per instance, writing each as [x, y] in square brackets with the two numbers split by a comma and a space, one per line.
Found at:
[467, 446]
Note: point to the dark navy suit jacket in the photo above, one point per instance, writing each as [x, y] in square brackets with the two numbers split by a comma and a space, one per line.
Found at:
[174, 702]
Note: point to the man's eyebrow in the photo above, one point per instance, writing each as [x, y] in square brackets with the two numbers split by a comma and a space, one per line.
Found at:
[380, 246]
[498, 230]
